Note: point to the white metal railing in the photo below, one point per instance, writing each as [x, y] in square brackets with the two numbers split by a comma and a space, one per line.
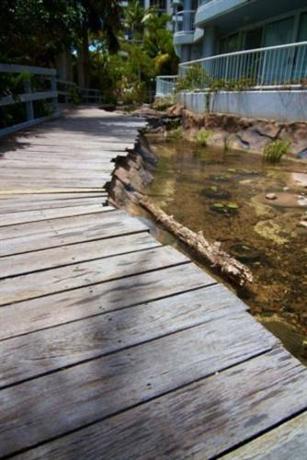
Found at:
[165, 85]
[184, 21]
[34, 84]
[275, 66]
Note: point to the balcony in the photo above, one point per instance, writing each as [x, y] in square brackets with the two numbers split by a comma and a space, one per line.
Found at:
[209, 10]
[230, 15]
[275, 67]
[184, 27]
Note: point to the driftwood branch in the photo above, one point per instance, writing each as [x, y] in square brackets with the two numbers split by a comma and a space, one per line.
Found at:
[223, 262]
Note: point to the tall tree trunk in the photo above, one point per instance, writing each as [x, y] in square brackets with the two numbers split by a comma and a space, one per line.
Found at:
[83, 60]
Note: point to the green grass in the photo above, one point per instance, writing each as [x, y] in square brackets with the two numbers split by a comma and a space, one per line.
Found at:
[202, 136]
[274, 151]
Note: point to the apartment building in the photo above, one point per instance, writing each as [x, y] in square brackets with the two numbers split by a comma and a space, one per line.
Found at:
[205, 28]
[262, 42]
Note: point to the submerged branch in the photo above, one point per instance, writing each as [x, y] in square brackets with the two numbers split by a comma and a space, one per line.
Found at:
[223, 262]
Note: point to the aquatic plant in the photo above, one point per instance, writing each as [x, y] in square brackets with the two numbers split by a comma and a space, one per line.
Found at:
[227, 209]
[274, 151]
[202, 136]
[176, 133]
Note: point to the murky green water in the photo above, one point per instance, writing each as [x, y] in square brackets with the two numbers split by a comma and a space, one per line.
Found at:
[224, 195]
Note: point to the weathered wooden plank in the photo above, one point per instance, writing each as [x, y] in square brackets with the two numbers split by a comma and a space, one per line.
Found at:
[33, 216]
[106, 333]
[61, 279]
[89, 145]
[71, 254]
[56, 196]
[198, 421]
[56, 138]
[12, 205]
[288, 441]
[40, 154]
[100, 298]
[26, 189]
[99, 388]
[45, 234]
[64, 175]
[56, 164]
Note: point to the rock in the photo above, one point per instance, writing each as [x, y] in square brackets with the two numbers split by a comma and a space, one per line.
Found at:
[302, 155]
[299, 179]
[287, 200]
[245, 253]
[271, 196]
[302, 223]
[286, 189]
[304, 349]
[302, 201]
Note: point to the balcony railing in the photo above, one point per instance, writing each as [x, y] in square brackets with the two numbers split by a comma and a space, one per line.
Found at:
[165, 85]
[272, 66]
[184, 21]
[265, 68]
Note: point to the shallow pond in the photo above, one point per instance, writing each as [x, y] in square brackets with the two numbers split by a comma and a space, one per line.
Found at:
[257, 211]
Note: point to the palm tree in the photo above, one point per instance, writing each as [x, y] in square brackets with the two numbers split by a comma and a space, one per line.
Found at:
[134, 19]
[99, 16]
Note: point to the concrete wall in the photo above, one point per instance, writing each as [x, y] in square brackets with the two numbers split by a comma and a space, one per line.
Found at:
[277, 105]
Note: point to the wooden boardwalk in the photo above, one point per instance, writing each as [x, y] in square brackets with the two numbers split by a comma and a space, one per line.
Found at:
[113, 346]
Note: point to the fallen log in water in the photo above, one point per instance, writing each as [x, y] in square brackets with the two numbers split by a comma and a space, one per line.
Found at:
[223, 262]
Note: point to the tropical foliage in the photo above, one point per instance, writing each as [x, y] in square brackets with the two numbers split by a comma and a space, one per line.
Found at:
[97, 42]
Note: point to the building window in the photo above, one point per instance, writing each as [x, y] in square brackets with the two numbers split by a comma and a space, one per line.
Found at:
[279, 32]
[230, 43]
[253, 38]
[302, 33]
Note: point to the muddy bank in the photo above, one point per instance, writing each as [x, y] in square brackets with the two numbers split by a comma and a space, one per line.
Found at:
[132, 174]
[237, 133]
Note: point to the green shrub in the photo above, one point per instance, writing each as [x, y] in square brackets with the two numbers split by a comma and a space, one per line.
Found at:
[176, 133]
[195, 78]
[274, 151]
[163, 103]
[231, 85]
[74, 96]
[202, 136]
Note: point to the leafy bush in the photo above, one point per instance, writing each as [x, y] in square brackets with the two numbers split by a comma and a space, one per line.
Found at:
[163, 103]
[231, 85]
[197, 78]
[274, 151]
[130, 91]
[202, 136]
[194, 78]
[74, 96]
